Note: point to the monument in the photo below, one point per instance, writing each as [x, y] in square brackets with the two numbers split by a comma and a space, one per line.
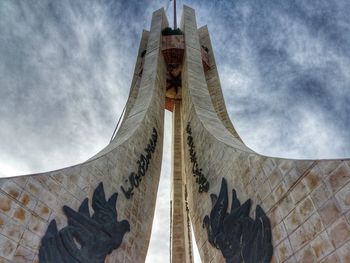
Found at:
[102, 210]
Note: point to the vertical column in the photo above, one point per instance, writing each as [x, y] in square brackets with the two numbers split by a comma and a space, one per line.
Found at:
[180, 243]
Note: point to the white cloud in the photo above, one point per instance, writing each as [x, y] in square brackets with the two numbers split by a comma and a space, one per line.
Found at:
[66, 68]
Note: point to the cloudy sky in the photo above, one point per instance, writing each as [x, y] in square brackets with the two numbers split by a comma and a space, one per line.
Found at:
[66, 68]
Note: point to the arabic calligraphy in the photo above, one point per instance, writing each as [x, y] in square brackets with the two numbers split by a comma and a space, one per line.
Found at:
[196, 171]
[135, 178]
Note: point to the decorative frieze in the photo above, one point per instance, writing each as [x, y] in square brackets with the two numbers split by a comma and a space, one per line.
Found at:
[196, 171]
[173, 49]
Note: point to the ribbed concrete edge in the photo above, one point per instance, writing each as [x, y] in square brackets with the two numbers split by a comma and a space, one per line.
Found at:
[213, 83]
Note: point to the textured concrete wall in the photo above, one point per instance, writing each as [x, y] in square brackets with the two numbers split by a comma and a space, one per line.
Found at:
[28, 203]
[307, 201]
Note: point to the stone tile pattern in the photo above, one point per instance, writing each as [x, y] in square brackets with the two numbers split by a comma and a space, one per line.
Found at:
[28, 203]
[307, 201]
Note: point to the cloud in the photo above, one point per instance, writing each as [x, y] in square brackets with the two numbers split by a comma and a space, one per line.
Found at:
[66, 67]
[65, 72]
[283, 64]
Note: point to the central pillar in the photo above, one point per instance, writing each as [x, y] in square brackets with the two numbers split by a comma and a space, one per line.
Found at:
[181, 251]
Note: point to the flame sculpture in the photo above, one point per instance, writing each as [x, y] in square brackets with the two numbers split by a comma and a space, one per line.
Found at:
[86, 239]
[238, 236]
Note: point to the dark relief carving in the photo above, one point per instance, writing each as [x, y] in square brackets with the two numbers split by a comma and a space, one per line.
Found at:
[143, 163]
[174, 82]
[86, 239]
[196, 171]
[238, 236]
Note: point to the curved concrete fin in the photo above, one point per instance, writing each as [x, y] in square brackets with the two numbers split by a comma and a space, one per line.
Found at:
[213, 82]
[31, 202]
[305, 200]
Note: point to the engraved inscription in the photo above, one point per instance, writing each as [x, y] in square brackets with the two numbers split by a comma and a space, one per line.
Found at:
[196, 171]
[135, 178]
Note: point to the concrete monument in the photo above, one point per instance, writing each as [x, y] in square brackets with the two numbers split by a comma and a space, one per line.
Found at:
[102, 210]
